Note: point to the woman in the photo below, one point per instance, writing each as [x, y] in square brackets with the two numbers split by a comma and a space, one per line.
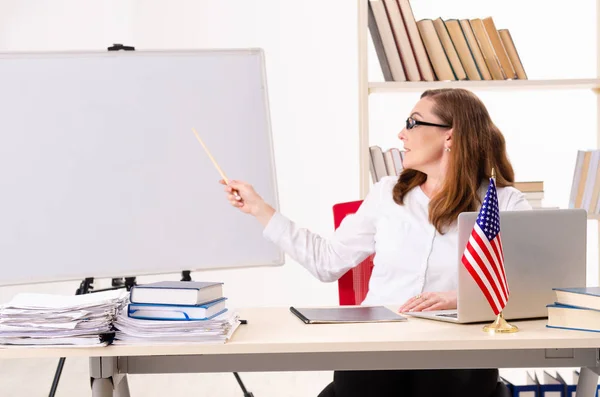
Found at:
[410, 222]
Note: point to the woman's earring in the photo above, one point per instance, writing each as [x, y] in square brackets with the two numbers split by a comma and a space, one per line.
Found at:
[447, 149]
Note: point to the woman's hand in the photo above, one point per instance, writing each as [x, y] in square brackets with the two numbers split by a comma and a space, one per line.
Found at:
[428, 301]
[249, 201]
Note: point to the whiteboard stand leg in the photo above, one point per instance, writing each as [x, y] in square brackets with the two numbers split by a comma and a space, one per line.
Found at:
[246, 392]
[84, 288]
[186, 276]
[59, 368]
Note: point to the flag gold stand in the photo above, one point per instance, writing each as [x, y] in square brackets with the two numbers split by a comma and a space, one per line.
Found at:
[500, 326]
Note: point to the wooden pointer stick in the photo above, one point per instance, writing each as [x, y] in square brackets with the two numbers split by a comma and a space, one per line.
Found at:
[212, 159]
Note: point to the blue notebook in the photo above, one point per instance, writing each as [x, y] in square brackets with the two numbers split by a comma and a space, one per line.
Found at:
[177, 292]
[146, 311]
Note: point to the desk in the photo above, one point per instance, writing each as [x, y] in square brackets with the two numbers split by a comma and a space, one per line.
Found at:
[275, 340]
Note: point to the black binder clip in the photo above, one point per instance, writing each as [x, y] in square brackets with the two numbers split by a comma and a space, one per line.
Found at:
[117, 47]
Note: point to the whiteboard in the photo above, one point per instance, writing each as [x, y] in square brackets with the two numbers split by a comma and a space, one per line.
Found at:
[102, 176]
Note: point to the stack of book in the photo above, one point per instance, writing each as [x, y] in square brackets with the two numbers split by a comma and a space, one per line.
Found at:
[176, 312]
[429, 50]
[585, 188]
[385, 163]
[389, 163]
[533, 191]
[575, 308]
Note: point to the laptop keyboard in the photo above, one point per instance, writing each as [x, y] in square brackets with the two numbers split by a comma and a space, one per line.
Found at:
[450, 315]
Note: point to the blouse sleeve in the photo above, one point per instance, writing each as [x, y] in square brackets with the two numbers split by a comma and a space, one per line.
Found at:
[329, 258]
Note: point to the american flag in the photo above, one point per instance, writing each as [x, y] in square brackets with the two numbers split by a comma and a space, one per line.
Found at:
[483, 256]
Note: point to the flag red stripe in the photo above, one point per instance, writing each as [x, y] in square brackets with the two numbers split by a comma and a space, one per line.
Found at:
[480, 283]
[493, 263]
[495, 243]
[482, 265]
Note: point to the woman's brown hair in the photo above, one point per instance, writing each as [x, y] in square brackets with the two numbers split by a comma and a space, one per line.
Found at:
[477, 146]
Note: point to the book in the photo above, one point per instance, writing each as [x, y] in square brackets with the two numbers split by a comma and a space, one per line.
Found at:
[402, 41]
[465, 54]
[177, 292]
[587, 297]
[346, 314]
[513, 55]
[415, 39]
[397, 160]
[448, 44]
[435, 50]
[529, 186]
[487, 49]
[593, 208]
[151, 311]
[577, 176]
[390, 167]
[378, 44]
[465, 24]
[586, 198]
[387, 39]
[378, 168]
[499, 49]
[587, 157]
[574, 318]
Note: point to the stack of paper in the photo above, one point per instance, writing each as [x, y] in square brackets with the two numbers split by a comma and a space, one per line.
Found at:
[46, 319]
[216, 330]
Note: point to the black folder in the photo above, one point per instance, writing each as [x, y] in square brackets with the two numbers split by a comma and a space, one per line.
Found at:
[346, 314]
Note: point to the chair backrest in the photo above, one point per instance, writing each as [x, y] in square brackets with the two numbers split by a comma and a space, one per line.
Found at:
[354, 284]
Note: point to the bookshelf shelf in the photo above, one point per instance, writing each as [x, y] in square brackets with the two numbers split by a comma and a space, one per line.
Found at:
[488, 85]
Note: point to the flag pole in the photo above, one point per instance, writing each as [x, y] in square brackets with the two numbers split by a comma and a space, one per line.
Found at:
[499, 325]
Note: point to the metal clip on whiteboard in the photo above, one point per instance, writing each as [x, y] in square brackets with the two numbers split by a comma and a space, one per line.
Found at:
[117, 47]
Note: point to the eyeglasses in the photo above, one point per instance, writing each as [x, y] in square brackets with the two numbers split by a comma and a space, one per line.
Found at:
[412, 123]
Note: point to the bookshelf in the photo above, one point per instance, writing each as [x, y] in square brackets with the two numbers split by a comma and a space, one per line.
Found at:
[367, 88]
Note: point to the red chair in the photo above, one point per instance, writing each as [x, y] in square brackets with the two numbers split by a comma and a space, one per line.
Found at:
[354, 284]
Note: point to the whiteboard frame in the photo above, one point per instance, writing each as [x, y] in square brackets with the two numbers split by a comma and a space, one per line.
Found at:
[280, 260]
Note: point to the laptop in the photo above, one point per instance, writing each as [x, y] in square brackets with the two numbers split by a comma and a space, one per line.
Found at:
[543, 249]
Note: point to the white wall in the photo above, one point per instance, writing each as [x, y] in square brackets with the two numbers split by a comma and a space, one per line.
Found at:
[311, 63]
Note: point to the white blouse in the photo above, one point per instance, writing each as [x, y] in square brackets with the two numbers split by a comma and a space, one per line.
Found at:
[411, 256]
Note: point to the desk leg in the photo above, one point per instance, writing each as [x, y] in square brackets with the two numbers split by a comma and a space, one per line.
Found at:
[102, 387]
[106, 379]
[122, 387]
[588, 382]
